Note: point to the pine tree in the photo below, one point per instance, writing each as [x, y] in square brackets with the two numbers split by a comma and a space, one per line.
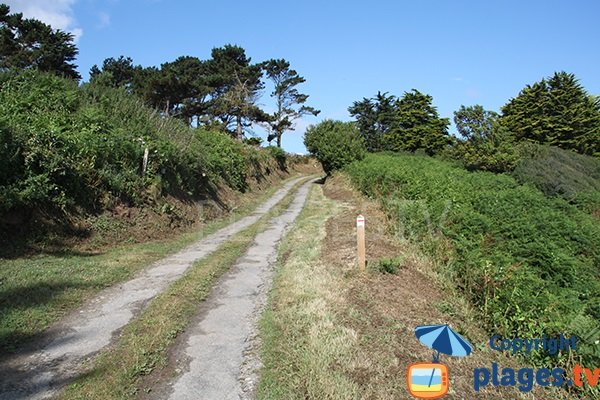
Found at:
[29, 43]
[290, 102]
[555, 111]
[417, 125]
[374, 118]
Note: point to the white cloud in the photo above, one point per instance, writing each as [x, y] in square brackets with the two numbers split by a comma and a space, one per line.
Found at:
[56, 13]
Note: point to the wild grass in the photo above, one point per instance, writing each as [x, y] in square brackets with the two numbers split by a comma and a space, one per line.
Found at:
[528, 262]
[562, 173]
[303, 339]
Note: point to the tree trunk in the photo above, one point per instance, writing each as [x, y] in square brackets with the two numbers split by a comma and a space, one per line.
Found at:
[238, 128]
[279, 140]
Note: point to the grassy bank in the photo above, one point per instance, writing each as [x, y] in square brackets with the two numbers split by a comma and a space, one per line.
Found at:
[562, 173]
[73, 156]
[528, 262]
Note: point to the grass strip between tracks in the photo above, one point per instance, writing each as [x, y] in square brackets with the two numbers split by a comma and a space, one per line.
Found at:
[37, 291]
[142, 348]
[300, 329]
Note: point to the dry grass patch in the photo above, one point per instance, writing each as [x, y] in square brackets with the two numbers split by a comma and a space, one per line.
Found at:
[303, 340]
[330, 332]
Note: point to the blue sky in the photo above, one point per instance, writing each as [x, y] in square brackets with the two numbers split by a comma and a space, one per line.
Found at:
[460, 52]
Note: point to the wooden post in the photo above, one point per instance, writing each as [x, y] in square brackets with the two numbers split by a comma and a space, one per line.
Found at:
[145, 161]
[360, 241]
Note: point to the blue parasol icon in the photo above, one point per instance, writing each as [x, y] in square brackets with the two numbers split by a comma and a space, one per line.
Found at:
[442, 339]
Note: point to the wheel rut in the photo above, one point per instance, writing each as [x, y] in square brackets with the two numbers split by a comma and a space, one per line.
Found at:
[218, 355]
[44, 367]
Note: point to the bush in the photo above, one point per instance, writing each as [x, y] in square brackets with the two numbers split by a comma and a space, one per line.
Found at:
[63, 146]
[499, 153]
[529, 262]
[562, 173]
[335, 144]
[389, 265]
[253, 141]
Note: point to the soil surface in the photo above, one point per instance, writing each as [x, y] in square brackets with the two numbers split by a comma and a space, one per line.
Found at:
[47, 365]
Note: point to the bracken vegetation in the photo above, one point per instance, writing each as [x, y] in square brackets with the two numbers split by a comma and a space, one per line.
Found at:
[528, 262]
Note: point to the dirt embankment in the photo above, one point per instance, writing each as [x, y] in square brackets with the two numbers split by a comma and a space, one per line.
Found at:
[159, 217]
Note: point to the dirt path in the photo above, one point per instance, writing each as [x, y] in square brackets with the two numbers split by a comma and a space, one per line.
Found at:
[218, 354]
[46, 366]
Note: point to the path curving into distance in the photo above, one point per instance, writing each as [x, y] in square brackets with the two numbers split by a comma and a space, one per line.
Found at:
[217, 354]
[42, 371]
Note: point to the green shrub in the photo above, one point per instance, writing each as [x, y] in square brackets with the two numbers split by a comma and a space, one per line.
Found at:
[562, 173]
[63, 146]
[499, 153]
[389, 265]
[253, 141]
[335, 144]
[224, 157]
[529, 262]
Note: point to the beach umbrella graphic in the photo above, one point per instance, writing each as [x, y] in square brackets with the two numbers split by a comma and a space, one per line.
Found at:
[443, 339]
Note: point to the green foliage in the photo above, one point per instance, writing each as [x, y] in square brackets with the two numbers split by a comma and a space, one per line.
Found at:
[529, 262]
[290, 102]
[218, 93]
[562, 173]
[556, 111]
[226, 158]
[253, 141]
[234, 84]
[115, 73]
[417, 126]
[277, 153]
[29, 43]
[374, 117]
[62, 146]
[486, 144]
[389, 265]
[334, 143]
[410, 123]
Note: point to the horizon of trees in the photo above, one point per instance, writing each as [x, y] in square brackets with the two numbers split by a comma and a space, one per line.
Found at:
[219, 93]
[556, 111]
[222, 93]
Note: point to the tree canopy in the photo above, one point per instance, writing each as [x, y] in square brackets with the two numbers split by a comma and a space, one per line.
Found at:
[409, 123]
[485, 144]
[290, 102]
[374, 118]
[222, 91]
[29, 43]
[556, 111]
[334, 143]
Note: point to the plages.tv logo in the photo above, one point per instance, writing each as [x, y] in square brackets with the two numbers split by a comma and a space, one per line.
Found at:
[432, 380]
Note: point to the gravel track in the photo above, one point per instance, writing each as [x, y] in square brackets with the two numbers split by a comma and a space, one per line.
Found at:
[218, 355]
[45, 366]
